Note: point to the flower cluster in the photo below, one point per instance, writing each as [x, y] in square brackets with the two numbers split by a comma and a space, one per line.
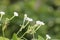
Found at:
[30, 19]
[31, 29]
[3, 13]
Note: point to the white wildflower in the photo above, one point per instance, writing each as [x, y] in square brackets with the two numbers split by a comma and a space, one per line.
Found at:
[25, 15]
[27, 18]
[47, 36]
[2, 13]
[15, 14]
[40, 23]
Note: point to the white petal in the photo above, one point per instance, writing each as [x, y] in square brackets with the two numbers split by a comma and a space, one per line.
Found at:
[25, 15]
[40, 23]
[48, 36]
[2, 13]
[29, 19]
[15, 14]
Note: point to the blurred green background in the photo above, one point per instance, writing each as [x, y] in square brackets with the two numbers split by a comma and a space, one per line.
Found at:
[47, 11]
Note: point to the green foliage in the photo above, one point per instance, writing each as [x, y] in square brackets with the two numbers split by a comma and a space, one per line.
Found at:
[15, 37]
[40, 38]
[3, 38]
[47, 11]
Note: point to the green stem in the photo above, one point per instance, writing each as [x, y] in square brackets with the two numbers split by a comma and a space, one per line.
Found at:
[46, 38]
[22, 27]
[3, 33]
[18, 31]
[33, 34]
[37, 28]
[3, 28]
[27, 23]
[11, 17]
[23, 35]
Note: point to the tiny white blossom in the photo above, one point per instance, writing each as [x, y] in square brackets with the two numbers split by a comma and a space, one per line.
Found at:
[15, 14]
[47, 36]
[29, 19]
[2, 13]
[40, 23]
[25, 15]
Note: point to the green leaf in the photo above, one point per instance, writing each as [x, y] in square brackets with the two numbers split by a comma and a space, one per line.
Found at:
[3, 38]
[40, 38]
[14, 37]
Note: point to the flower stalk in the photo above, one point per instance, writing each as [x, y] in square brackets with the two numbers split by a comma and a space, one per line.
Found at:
[47, 37]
